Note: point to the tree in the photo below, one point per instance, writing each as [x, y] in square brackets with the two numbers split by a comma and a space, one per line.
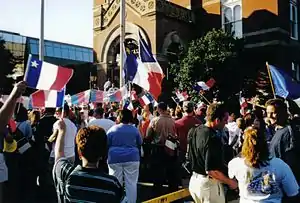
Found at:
[8, 64]
[216, 55]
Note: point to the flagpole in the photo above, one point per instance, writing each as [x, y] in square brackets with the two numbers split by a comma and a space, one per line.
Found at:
[41, 43]
[271, 81]
[122, 38]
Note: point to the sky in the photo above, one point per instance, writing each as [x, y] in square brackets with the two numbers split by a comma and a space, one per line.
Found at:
[68, 21]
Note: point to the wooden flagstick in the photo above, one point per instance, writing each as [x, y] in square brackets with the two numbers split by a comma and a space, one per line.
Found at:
[205, 98]
[271, 81]
[175, 101]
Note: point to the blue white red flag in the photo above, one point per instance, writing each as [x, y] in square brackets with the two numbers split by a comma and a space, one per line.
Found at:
[46, 76]
[146, 99]
[96, 96]
[128, 105]
[149, 74]
[118, 95]
[47, 98]
[204, 85]
[182, 96]
[81, 98]
[285, 86]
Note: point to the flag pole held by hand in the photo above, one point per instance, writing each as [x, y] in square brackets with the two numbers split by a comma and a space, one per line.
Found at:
[271, 81]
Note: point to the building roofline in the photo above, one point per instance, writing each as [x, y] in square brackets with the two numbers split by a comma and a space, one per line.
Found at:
[46, 40]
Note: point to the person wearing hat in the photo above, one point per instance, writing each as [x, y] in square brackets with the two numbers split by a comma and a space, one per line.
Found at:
[184, 124]
[6, 112]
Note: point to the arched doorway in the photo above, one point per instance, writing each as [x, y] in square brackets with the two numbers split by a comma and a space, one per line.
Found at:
[113, 57]
[111, 52]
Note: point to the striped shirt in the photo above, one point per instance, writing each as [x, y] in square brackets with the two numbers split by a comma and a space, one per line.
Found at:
[84, 185]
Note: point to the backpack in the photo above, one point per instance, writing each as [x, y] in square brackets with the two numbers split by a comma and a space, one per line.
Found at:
[187, 164]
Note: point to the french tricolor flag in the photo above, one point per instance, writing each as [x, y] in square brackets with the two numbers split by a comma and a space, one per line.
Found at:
[46, 76]
[149, 74]
[47, 98]
[182, 96]
[243, 104]
[205, 85]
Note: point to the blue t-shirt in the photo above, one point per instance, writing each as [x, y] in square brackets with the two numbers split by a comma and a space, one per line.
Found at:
[123, 142]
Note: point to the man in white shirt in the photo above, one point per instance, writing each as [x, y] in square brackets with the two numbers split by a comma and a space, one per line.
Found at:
[70, 134]
[101, 122]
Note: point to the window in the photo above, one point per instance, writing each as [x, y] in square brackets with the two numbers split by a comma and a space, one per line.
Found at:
[34, 49]
[49, 51]
[232, 20]
[57, 52]
[296, 71]
[79, 55]
[72, 53]
[65, 53]
[86, 56]
[91, 54]
[7, 37]
[294, 19]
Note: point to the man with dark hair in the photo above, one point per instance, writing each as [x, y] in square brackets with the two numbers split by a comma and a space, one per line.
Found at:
[70, 133]
[43, 131]
[99, 121]
[285, 143]
[87, 182]
[207, 160]
[124, 141]
[165, 165]
[184, 124]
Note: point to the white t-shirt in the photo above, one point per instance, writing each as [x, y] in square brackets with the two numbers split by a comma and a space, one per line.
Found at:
[265, 184]
[70, 135]
[104, 123]
[233, 131]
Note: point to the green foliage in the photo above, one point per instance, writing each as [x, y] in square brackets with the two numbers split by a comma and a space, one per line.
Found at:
[7, 63]
[216, 55]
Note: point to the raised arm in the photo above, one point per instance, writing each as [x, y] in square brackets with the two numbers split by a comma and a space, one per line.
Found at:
[9, 105]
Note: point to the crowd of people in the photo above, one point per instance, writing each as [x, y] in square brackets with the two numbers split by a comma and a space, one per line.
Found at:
[85, 154]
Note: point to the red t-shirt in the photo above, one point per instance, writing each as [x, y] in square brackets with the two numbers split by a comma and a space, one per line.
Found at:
[183, 126]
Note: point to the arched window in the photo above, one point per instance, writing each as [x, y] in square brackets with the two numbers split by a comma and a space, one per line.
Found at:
[232, 18]
[294, 19]
[228, 19]
[238, 23]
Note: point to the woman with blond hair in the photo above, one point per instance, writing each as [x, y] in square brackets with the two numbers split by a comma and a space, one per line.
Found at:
[262, 178]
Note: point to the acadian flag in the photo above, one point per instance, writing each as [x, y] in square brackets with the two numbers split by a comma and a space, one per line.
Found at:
[149, 74]
[128, 105]
[46, 76]
[285, 86]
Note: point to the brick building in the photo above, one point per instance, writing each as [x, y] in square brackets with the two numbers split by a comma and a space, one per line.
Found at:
[270, 29]
[163, 24]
